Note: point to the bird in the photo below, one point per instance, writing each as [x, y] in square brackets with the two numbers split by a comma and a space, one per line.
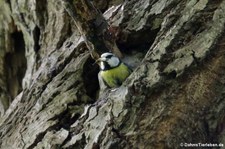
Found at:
[113, 72]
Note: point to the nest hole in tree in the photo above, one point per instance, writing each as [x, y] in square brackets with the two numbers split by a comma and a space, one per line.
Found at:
[142, 39]
[136, 45]
[15, 64]
[90, 78]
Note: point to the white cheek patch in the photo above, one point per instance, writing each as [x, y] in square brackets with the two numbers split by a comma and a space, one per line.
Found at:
[113, 62]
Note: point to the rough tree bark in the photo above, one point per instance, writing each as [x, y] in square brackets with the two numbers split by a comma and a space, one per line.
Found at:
[174, 95]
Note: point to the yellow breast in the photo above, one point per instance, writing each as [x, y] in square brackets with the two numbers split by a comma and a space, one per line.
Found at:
[115, 77]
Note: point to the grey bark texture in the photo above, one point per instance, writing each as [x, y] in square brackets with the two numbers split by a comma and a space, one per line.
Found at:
[49, 87]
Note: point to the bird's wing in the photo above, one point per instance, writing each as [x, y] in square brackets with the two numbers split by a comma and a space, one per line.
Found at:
[118, 82]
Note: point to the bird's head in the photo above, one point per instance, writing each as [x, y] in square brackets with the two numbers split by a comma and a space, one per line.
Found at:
[108, 61]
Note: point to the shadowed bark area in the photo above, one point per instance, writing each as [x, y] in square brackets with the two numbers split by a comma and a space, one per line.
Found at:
[175, 94]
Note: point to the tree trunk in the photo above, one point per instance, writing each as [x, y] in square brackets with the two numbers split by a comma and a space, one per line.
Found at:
[49, 88]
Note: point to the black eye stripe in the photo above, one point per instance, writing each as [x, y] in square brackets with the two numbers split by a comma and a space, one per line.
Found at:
[108, 56]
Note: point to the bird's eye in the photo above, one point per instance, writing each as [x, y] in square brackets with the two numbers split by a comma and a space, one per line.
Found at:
[108, 56]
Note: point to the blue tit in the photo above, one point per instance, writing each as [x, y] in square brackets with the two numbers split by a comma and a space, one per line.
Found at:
[113, 71]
